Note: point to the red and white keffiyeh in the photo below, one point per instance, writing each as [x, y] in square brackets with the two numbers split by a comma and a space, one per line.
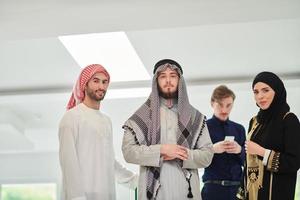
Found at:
[86, 74]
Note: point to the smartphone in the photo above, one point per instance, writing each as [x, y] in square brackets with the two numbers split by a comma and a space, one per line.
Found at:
[229, 138]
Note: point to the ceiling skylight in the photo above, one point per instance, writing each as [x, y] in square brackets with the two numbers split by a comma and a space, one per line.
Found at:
[128, 93]
[112, 50]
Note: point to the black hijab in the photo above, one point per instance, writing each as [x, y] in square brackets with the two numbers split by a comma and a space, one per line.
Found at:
[279, 105]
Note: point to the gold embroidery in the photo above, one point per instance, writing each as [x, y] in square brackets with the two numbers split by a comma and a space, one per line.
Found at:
[273, 161]
[254, 168]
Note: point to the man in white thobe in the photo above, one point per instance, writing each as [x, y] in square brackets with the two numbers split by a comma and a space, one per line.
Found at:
[86, 149]
[168, 138]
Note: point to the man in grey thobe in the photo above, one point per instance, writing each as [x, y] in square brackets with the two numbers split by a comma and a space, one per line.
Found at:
[168, 138]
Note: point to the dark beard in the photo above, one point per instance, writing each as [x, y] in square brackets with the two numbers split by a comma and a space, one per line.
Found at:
[167, 95]
[93, 96]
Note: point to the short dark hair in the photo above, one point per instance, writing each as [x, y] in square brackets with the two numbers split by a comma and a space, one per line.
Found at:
[221, 92]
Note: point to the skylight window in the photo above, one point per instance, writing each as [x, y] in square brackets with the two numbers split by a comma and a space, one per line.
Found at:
[128, 93]
[112, 50]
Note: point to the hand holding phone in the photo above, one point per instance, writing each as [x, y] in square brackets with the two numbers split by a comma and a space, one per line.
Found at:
[229, 138]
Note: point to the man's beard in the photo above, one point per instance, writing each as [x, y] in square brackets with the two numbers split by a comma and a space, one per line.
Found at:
[93, 95]
[167, 95]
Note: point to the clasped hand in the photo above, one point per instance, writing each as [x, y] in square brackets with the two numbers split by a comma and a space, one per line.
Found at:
[173, 151]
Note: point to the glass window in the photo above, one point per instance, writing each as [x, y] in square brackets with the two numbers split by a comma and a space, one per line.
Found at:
[297, 195]
[28, 192]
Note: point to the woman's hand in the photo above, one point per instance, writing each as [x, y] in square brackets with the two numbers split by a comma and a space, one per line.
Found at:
[253, 148]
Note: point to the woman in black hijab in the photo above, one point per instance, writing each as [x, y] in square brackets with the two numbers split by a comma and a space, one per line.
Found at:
[273, 146]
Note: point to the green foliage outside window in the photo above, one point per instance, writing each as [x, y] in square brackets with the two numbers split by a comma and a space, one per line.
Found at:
[297, 195]
[28, 192]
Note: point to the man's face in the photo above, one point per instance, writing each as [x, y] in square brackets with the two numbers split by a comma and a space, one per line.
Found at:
[222, 108]
[96, 87]
[168, 83]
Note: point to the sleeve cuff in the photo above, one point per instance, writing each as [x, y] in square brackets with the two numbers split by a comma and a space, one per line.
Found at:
[273, 161]
[266, 157]
[190, 160]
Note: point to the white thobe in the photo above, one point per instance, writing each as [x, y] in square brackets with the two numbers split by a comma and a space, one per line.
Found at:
[173, 184]
[87, 156]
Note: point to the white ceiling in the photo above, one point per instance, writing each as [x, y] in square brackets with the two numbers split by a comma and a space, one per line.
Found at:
[50, 18]
[216, 42]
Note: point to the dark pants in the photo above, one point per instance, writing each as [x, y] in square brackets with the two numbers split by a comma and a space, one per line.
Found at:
[212, 191]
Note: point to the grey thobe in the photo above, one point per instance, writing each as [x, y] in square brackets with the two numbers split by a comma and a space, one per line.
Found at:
[173, 182]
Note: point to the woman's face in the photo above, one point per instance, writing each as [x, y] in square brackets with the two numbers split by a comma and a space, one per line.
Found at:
[263, 95]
